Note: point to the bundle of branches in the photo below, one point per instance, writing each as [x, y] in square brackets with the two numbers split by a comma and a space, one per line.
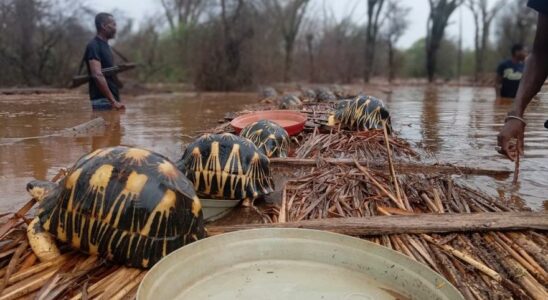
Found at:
[480, 265]
[342, 144]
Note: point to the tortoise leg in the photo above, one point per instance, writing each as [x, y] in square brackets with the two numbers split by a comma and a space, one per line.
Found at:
[247, 202]
[41, 242]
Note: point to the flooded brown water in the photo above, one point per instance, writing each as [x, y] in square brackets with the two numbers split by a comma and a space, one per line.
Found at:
[458, 125]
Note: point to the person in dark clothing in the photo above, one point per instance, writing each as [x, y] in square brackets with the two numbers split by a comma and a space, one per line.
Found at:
[103, 90]
[534, 76]
[509, 73]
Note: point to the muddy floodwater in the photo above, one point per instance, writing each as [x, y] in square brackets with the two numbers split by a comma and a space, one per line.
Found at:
[458, 125]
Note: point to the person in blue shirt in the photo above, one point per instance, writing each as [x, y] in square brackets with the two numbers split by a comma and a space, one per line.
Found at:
[103, 89]
[509, 73]
[534, 76]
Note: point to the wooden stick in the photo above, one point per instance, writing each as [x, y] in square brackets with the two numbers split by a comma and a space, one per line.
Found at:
[379, 186]
[14, 220]
[516, 166]
[128, 287]
[519, 274]
[526, 256]
[420, 223]
[29, 261]
[283, 209]
[12, 265]
[467, 258]
[539, 253]
[27, 286]
[391, 164]
[400, 166]
[23, 274]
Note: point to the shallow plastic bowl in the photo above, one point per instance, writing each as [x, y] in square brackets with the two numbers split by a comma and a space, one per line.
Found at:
[290, 264]
[291, 121]
[215, 209]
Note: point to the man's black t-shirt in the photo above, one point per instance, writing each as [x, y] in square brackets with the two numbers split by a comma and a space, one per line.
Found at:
[99, 50]
[539, 5]
[511, 75]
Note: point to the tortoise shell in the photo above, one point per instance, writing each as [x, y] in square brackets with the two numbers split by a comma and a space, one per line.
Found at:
[226, 166]
[323, 94]
[269, 137]
[290, 102]
[362, 113]
[129, 205]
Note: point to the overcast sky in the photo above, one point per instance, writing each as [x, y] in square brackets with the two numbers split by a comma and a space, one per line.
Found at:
[138, 9]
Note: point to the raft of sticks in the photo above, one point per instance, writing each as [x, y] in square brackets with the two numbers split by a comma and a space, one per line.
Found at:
[490, 261]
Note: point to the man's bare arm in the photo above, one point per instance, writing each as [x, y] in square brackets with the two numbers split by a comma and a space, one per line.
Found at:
[97, 75]
[534, 75]
[536, 68]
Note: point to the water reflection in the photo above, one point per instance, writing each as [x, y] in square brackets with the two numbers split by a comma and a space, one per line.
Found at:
[430, 119]
[460, 126]
[112, 135]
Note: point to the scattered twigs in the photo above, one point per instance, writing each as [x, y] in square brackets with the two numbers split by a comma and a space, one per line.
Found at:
[466, 257]
[379, 186]
[13, 265]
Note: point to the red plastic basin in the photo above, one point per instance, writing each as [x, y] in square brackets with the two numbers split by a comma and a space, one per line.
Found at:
[291, 121]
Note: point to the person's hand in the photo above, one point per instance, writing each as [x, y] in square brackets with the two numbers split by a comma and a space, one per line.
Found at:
[510, 139]
[118, 105]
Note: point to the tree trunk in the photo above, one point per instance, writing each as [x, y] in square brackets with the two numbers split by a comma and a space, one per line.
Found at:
[483, 48]
[311, 76]
[374, 8]
[431, 60]
[368, 54]
[391, 66]
[288, 61]
[440, 12]
[477, 47]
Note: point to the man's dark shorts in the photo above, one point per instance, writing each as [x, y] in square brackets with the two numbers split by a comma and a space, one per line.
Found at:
[101, 104]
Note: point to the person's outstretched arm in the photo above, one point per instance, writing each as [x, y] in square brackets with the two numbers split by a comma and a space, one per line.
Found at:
[534, 75]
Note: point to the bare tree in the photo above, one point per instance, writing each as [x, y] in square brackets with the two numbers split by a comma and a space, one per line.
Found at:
[397, 23]
[440, 11]
[310, 52]
[183, 13]
[289, 16]
[483, 16]
[38, 41]
[516, 24]
[223, 65]
[374, 8]
[182, 17]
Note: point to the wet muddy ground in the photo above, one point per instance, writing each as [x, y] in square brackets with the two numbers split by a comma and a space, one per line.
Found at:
[457, 125]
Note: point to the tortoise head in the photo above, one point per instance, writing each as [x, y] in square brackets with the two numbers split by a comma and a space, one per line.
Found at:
[40, 190]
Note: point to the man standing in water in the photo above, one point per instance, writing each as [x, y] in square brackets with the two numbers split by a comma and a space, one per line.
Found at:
[103, 90]
[509, 73]
[534, 76]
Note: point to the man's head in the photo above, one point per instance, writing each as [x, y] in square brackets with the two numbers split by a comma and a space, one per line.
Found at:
[518, 52]
[105, 25]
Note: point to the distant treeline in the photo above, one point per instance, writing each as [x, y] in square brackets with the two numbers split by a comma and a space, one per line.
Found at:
[237, 44]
